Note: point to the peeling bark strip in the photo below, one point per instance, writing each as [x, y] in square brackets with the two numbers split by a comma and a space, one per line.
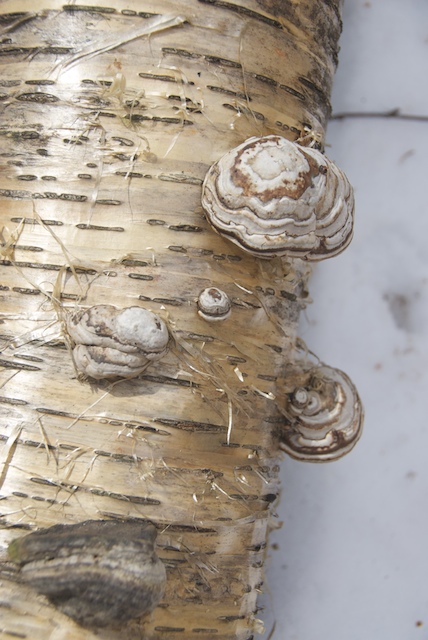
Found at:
[122, 106]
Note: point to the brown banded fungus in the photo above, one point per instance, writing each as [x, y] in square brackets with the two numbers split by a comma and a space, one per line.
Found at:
[324, 416]
[274, 197]
[110, 342]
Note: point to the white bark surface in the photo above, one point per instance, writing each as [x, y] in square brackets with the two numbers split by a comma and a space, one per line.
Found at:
[186, 446]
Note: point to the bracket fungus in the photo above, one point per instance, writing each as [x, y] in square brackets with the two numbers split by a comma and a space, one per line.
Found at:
[274, 197]
[111, 343]
[324, 416]
[214, 304]
[98, 572]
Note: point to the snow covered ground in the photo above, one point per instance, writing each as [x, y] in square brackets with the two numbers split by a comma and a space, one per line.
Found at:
[352, 556]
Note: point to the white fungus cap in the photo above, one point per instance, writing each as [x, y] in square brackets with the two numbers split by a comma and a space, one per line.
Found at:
[325, 417]
[274, 197]
[214, 304]
[110, 342]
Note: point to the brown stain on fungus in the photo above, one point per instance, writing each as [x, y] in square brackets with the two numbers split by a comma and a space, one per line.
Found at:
[294, 188]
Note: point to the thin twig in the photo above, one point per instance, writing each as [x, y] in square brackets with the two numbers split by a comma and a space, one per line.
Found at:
[394, 113]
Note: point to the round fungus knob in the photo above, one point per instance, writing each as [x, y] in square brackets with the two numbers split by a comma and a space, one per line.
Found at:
[274, 197]
[324, 416]
[214, 304]
[110, 342]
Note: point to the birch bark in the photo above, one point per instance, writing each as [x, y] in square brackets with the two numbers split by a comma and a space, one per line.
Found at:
[112, 114]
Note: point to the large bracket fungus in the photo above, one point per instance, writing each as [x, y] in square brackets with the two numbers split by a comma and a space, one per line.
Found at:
[273, 197]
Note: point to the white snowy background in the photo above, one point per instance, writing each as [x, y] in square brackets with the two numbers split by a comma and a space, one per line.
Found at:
[352, 556]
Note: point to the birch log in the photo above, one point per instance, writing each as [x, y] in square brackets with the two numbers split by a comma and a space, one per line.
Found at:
[112, 115]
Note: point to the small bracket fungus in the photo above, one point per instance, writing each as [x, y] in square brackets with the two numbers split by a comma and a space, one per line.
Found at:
[274, 197]
[112, 343]
[324, 416]
[98, 572]
[214, 304]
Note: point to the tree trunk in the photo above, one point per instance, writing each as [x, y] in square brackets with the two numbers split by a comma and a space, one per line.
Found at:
[112, 115]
